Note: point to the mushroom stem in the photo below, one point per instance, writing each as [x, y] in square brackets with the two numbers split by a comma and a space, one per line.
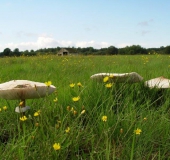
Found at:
[22, 105]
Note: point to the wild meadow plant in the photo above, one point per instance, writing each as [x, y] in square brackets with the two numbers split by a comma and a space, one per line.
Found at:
[85, 119]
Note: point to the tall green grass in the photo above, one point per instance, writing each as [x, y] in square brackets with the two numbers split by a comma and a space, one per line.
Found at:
[127, 107]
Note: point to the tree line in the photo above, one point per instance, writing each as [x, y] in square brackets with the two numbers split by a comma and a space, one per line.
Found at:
[112, 50]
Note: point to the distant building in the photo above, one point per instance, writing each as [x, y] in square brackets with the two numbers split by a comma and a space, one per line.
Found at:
[66, 51]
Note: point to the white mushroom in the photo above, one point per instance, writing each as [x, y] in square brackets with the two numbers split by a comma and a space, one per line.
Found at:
[132, 77]
[24, 89]
[159, 82]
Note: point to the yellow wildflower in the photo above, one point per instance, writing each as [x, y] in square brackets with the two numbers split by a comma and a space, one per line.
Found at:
[75, 99]
[56, 146]
[72, 85]
[67, 130]
[137, 131]
[5, 108]
[36, 114]
[108, 85]
[83, 111]
[23, 118]
[74, 112]
[144, 118]
[0, 109]
[21, 103]
[104, 118]
[105, 79]
[48, 83]
[55, 100]
[79, 84]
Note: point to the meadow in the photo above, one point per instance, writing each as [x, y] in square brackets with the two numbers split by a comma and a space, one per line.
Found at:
[84, 119]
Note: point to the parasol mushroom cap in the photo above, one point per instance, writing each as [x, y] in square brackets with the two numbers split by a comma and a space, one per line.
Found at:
[132, 77]
[159, 82]
[24, 89]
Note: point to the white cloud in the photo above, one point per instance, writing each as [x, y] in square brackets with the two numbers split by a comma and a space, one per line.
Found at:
[48, 42]
[92, 44]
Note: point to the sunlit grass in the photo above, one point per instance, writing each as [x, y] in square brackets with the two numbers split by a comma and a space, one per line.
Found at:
[84, 119]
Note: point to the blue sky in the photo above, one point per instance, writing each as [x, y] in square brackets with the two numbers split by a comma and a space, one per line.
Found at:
[34, 24]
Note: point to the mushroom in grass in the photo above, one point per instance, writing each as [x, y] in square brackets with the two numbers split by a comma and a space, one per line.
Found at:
[24, 89]
[160, 86]
[159, 82]
[132, 77]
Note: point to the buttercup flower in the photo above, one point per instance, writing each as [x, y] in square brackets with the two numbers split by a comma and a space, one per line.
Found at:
[5, 108]
[144, 118]
[55, 100]
[138, 131]
[74, 112]
[79, 84]
[72, 85]
[67, 130]
[56, 146]
[105, 79]
[48, 83]
[104, 118]
[36, 114]
[21, 103]
[0, 109]
[23, 118]
[83, 111]
[75, 99]
[108, 85]
[72, 109]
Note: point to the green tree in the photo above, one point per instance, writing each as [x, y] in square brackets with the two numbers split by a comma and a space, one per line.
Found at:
[134, 49]
[167, 50]
[7, 52]
[112, 50]
[16, 52]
